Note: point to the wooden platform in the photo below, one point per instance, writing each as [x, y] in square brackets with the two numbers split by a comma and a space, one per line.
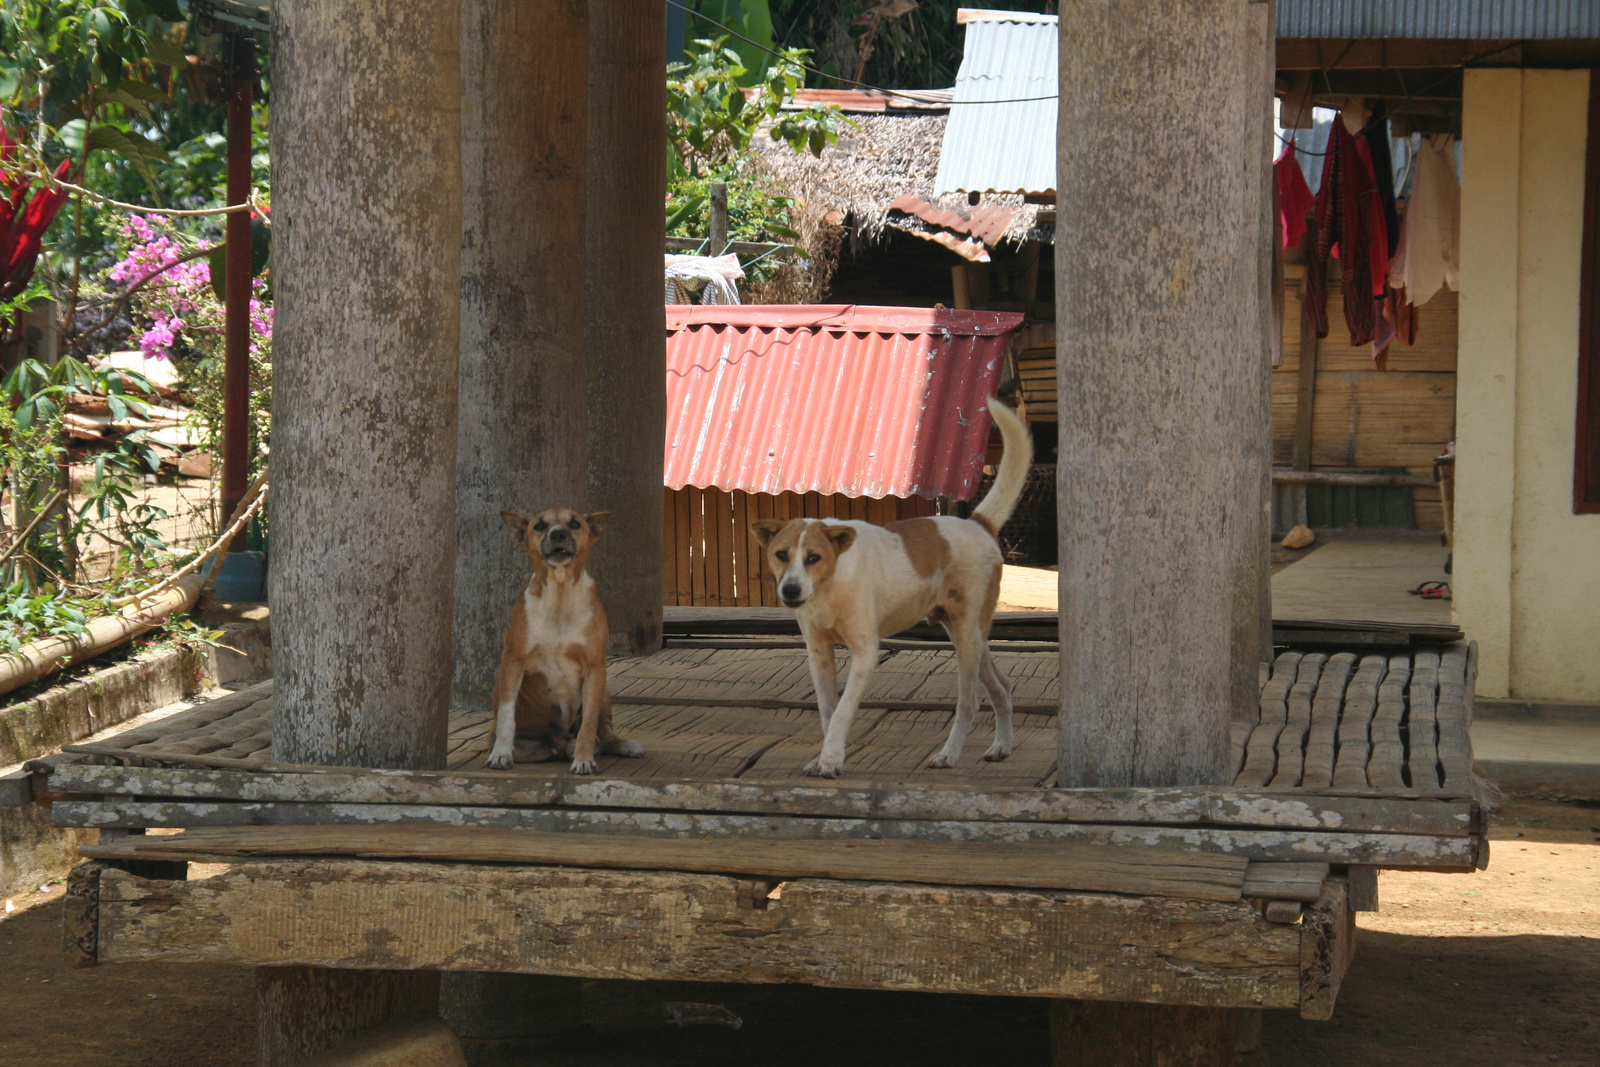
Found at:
[1228, 896]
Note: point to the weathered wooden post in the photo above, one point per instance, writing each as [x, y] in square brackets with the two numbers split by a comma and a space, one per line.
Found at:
[366, 151]
[563, 393]
[562, 339]
[524, 421]
[626, 333]
[1162, 318]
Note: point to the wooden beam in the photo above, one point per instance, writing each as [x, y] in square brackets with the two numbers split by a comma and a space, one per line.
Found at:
[624, 344]
[1283, 881]
[1327, 945]
[1301, 53]
[1094, 868]
[1219, 807]
[1319, 846]
[368, 184]
[1132, 719]
[1305, 396]
[687, 926]
[1310, 477]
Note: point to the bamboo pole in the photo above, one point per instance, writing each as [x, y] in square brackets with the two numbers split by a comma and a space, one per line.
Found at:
[41, 658]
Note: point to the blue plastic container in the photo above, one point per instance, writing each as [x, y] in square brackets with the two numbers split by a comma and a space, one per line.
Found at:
[243, 576]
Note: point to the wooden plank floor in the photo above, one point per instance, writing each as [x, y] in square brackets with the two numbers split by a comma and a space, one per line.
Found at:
[1383, 723]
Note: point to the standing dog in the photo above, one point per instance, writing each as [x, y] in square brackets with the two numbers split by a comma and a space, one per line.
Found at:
[552, 679]
[851, 583]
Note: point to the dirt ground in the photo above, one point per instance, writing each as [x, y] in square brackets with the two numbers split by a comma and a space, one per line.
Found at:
[1496, 968]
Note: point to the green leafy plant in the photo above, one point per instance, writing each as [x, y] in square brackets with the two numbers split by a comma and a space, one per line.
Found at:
[716, 107]
[712, 116]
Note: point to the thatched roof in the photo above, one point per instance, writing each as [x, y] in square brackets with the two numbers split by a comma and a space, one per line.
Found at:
[881, 158]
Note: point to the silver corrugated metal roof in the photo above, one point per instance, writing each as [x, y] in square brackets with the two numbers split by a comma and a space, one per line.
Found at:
[1001, 136]
[1537, 20]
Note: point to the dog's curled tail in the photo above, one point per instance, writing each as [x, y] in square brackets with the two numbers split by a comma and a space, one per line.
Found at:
[1016, 457]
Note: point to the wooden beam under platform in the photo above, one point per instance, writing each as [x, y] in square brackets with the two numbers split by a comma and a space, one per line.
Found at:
[676, 925]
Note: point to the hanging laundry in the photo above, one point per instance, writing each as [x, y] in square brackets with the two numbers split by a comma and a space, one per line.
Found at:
[1348, 224]
[1294, 196]
[1396, 321]
[715, 274]
[1376, 133]
[1428, 257]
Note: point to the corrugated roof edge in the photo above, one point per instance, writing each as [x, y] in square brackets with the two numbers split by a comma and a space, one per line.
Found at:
[965, 15]
[856, 318]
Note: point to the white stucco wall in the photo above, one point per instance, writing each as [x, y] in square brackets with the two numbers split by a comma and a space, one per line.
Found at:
[1527, 570]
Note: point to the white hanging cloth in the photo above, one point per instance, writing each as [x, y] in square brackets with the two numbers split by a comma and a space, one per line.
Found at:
[1428, 256]
[715, 274]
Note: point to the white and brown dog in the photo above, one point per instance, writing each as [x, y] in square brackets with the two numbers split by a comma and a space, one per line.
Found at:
[550, 696]
[852, 583]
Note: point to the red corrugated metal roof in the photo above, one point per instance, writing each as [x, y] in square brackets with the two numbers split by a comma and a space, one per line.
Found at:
[831, 398]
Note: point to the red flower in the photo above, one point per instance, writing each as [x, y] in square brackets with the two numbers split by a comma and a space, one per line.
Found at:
[23, 220]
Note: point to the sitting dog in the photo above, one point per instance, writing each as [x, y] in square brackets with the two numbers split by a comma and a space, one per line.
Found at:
[851, 583]
[550, 696]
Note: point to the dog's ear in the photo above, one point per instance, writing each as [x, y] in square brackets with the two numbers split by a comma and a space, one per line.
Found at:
[766, 529]
[517, 524]
[596, 521]
[841, 536]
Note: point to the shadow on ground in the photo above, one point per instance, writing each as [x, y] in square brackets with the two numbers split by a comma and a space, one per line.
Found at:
[1409, 1000]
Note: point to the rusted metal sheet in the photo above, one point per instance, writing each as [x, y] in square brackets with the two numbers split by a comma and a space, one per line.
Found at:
[970, 235]
[871, 100]
[831, 398]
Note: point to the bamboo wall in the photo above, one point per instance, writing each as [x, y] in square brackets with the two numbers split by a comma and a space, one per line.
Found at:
[1364, 418]
[712, 560]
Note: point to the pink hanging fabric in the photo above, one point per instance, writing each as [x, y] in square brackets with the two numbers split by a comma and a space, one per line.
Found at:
[1294, 196]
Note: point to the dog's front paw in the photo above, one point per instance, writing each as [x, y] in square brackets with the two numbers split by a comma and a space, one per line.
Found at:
[943, 759]
[585, 766]
[997, 752]
[500, 759]
[824, 768]
[622, 747]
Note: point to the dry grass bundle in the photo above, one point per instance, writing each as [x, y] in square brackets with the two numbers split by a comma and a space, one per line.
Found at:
[880, 158]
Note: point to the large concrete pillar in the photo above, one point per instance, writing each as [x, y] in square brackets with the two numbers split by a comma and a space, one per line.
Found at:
[366, 121]
[1163, 314]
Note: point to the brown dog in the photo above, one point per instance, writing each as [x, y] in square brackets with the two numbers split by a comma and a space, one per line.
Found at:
[552, 680]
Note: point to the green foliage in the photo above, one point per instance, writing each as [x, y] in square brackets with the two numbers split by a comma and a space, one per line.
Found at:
[32, 447]
[755, 212]
[27, 615]
[750, 23]
[64, 62]
[711, 119]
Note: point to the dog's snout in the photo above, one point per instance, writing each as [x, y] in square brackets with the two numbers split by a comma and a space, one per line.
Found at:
[559, 533]
[790, 591]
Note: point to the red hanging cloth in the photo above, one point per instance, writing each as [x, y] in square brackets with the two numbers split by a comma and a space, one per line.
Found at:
[1294, 196]
[1349, 224]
